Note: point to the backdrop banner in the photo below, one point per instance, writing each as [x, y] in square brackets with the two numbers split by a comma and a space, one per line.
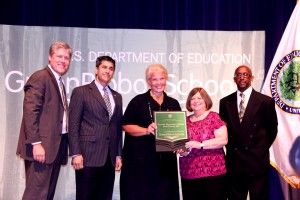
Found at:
[194, 58]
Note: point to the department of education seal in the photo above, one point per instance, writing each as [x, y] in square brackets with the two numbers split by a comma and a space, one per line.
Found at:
[285, 83]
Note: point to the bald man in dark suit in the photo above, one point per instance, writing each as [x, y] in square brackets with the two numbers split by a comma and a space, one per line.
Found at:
[43, 136]
[96, 134]
[252, 128]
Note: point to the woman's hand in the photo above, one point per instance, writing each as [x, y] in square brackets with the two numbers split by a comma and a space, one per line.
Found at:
[151, 129]
[182, 152]
[192, 144]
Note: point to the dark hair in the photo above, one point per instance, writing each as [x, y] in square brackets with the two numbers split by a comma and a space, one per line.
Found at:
[106, 58]
[204, 96]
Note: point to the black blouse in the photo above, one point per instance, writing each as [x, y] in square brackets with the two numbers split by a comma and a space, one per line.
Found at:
[140, 112]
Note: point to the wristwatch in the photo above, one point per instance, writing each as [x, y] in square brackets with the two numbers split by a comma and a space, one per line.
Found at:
[201, 145]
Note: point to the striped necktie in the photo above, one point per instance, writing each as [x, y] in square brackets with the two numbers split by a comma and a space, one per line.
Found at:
[242, 107]
[107, 102]
[65, 102]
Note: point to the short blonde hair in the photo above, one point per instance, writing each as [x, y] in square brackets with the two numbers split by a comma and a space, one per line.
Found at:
[155, 68]
[60, 45]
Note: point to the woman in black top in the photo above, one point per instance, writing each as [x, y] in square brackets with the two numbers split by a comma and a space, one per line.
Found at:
[147, 174]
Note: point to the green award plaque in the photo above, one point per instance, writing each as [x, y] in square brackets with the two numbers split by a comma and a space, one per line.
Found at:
[171, 132]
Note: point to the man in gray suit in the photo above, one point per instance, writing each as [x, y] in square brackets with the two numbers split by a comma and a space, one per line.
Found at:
[43, 140]
[96, 134]
[252, 127]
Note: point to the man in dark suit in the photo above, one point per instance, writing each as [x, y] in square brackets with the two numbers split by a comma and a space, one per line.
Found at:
[43, 140]
[252, 127]
[96, 134]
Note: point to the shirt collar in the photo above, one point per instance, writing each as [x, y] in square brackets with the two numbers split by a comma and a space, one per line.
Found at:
[247, 92]
[100, 87]
[56, 75]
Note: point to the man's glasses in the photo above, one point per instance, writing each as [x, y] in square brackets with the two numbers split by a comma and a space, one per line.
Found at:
[239, 75]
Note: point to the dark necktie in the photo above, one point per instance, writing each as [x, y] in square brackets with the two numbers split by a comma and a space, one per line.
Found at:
[242, 107]
[107, 102]
[65, 102]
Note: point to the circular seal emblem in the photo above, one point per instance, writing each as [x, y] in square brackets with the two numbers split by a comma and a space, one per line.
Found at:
[285, 83]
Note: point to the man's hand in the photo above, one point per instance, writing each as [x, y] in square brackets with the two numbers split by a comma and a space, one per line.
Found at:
[39, 153]
[118, 163]
[77, 162]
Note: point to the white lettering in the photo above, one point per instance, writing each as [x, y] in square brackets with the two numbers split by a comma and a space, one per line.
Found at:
[10, 77]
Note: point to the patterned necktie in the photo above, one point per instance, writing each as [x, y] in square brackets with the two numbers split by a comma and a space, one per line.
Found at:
[107, 102]
[65, 102]
[242, 107]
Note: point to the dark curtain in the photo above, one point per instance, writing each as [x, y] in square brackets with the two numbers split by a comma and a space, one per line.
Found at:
[228, 15]
[232, 15]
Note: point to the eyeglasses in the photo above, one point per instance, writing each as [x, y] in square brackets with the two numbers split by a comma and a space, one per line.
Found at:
[239, 75]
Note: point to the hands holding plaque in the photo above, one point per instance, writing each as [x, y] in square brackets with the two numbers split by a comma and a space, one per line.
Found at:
[171, 131]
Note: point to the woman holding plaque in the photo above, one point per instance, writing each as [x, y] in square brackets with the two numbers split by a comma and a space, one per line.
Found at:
[202, 167]
[147, 174]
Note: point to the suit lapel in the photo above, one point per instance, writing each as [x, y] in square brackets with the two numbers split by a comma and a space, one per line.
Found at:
[251, 109]
[96, 93]
[250, 112]
[233, 112]
[115, 99]
[54, 82]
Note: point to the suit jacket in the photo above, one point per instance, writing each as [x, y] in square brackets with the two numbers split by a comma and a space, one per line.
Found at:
[43, 113]
[92, 134]
[248, 145]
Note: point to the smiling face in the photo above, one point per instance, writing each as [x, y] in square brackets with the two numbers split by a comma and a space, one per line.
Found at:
[243, 78]
[60, 61]
[198, 97]
[157, 82]
[104, 72]
[197, 103]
